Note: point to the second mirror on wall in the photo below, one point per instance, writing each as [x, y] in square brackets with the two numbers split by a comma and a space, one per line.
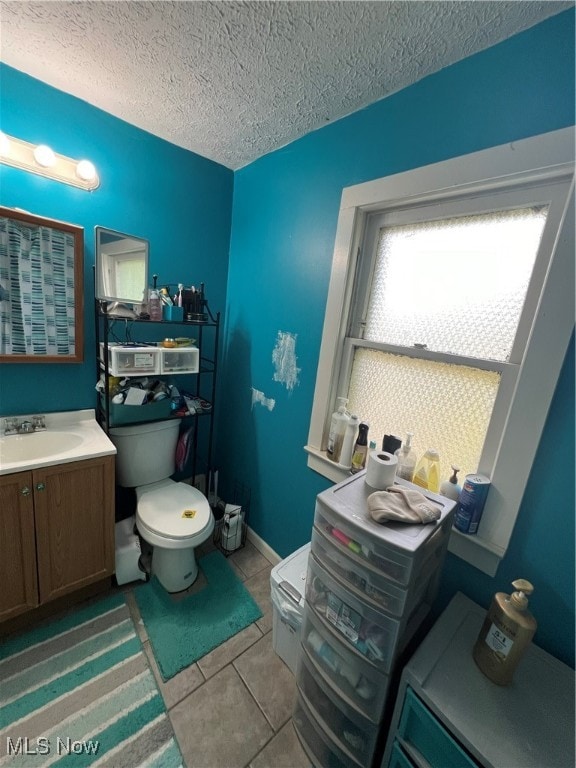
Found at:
[121, 266]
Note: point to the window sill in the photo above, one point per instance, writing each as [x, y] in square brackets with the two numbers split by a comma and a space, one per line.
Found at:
[479, 552]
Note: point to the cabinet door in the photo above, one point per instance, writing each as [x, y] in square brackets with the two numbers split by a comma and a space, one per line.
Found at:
[19, 591]
[74, 506]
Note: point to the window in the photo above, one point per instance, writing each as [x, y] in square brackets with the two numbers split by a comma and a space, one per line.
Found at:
[450, 307]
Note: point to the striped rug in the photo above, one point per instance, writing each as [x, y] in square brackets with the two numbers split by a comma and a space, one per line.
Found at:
[79, 692]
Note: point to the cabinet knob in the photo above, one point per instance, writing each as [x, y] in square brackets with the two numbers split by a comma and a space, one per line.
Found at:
[40, 486]
[25, 491]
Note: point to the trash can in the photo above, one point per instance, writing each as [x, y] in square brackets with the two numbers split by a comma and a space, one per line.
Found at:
[288, 587]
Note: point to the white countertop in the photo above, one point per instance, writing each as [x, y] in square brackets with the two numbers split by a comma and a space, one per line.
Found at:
[69, 436]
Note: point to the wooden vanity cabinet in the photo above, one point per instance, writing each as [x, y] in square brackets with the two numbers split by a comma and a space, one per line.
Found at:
[19, 584]
[57, 532]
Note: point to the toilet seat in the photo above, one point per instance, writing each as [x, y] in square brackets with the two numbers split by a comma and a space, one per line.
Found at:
[162, 509]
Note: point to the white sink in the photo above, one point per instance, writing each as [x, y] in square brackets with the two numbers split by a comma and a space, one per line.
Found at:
[69, 436]
[37, 445]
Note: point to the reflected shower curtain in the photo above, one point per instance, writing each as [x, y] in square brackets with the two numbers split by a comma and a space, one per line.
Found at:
[36, 290]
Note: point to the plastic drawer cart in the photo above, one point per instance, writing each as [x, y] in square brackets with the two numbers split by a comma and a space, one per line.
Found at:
[287, 584]
[368, 590]
[449, 715]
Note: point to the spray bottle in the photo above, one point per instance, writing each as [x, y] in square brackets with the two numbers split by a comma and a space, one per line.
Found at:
[338, 424]
[506, 633]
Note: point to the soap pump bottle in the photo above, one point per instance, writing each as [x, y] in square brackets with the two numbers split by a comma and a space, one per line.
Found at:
[338, 423]
[154, 302]
[506, 633]
[427, 472]
[450, 488]
[406, 459]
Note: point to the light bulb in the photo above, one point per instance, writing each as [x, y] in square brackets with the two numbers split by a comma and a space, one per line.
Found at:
[44, 156]
[85, 170]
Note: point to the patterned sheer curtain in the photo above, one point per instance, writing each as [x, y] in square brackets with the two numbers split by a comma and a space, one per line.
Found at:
[36, 290]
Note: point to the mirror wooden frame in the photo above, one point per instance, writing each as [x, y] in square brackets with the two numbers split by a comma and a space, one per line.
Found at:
[77, 233]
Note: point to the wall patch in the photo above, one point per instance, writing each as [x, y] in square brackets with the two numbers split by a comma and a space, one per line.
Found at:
[284, 358]
[259, 397]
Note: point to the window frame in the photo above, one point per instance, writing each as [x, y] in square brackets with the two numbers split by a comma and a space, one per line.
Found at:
[543, 159]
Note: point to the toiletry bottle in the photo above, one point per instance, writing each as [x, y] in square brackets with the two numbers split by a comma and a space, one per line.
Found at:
[406, 459]
[506, 633]
[154, 302]
[427, 472]
[360, 448]
[338, 424]
[450, 488]
[348, 442]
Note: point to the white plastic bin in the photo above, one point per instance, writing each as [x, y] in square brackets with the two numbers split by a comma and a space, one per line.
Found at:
[127, 552]
[288, 588]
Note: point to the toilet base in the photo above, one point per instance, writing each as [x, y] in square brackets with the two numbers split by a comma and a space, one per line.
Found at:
[175, 569]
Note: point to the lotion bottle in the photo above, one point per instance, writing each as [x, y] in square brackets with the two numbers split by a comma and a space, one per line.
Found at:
[506, 632]
[348, 442]
[338, 423]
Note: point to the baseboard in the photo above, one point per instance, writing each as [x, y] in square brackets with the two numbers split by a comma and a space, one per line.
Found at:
[262, 547]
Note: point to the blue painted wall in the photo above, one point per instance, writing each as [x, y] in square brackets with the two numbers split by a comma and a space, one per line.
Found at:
[284, 214]
[179, 201]
[283, 228]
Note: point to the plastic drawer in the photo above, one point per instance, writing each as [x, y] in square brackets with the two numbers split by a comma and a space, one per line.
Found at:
[317, 745]
[398, 759]
[129, 360]
[426, 735]
[354, 679]
[183, 360]
[372, 633]
[347, 728]
[368, 582]
[396, 549]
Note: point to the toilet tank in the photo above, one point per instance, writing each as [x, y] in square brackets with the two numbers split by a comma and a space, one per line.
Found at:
[146, 452]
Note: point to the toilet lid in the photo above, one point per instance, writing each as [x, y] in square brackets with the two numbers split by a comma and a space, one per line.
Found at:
[174, 510]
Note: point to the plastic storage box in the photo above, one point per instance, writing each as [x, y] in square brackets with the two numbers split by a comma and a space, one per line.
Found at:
[371, 633]
[131, 360]
[397, 550]
[288, 586]
[346, 671]
[182, 360]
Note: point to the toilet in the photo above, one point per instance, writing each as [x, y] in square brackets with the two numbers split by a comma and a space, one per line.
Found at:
[174, 518]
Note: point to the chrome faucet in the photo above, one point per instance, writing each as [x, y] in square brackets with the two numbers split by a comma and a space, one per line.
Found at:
[23, 425]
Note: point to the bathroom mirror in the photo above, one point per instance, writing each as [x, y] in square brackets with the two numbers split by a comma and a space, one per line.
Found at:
[41, 289]
[121, 266]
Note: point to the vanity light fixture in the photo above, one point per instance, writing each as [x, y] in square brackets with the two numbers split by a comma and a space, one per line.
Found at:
[41, 159]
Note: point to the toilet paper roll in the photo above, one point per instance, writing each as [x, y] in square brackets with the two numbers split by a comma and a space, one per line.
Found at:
[380, 469]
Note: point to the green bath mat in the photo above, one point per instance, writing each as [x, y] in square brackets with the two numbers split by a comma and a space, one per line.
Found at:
[182, 630]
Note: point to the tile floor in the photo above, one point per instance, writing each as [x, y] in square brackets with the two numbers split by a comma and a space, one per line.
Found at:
[232, 709]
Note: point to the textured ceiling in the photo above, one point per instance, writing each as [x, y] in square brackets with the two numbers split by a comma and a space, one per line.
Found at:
[235, 80]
